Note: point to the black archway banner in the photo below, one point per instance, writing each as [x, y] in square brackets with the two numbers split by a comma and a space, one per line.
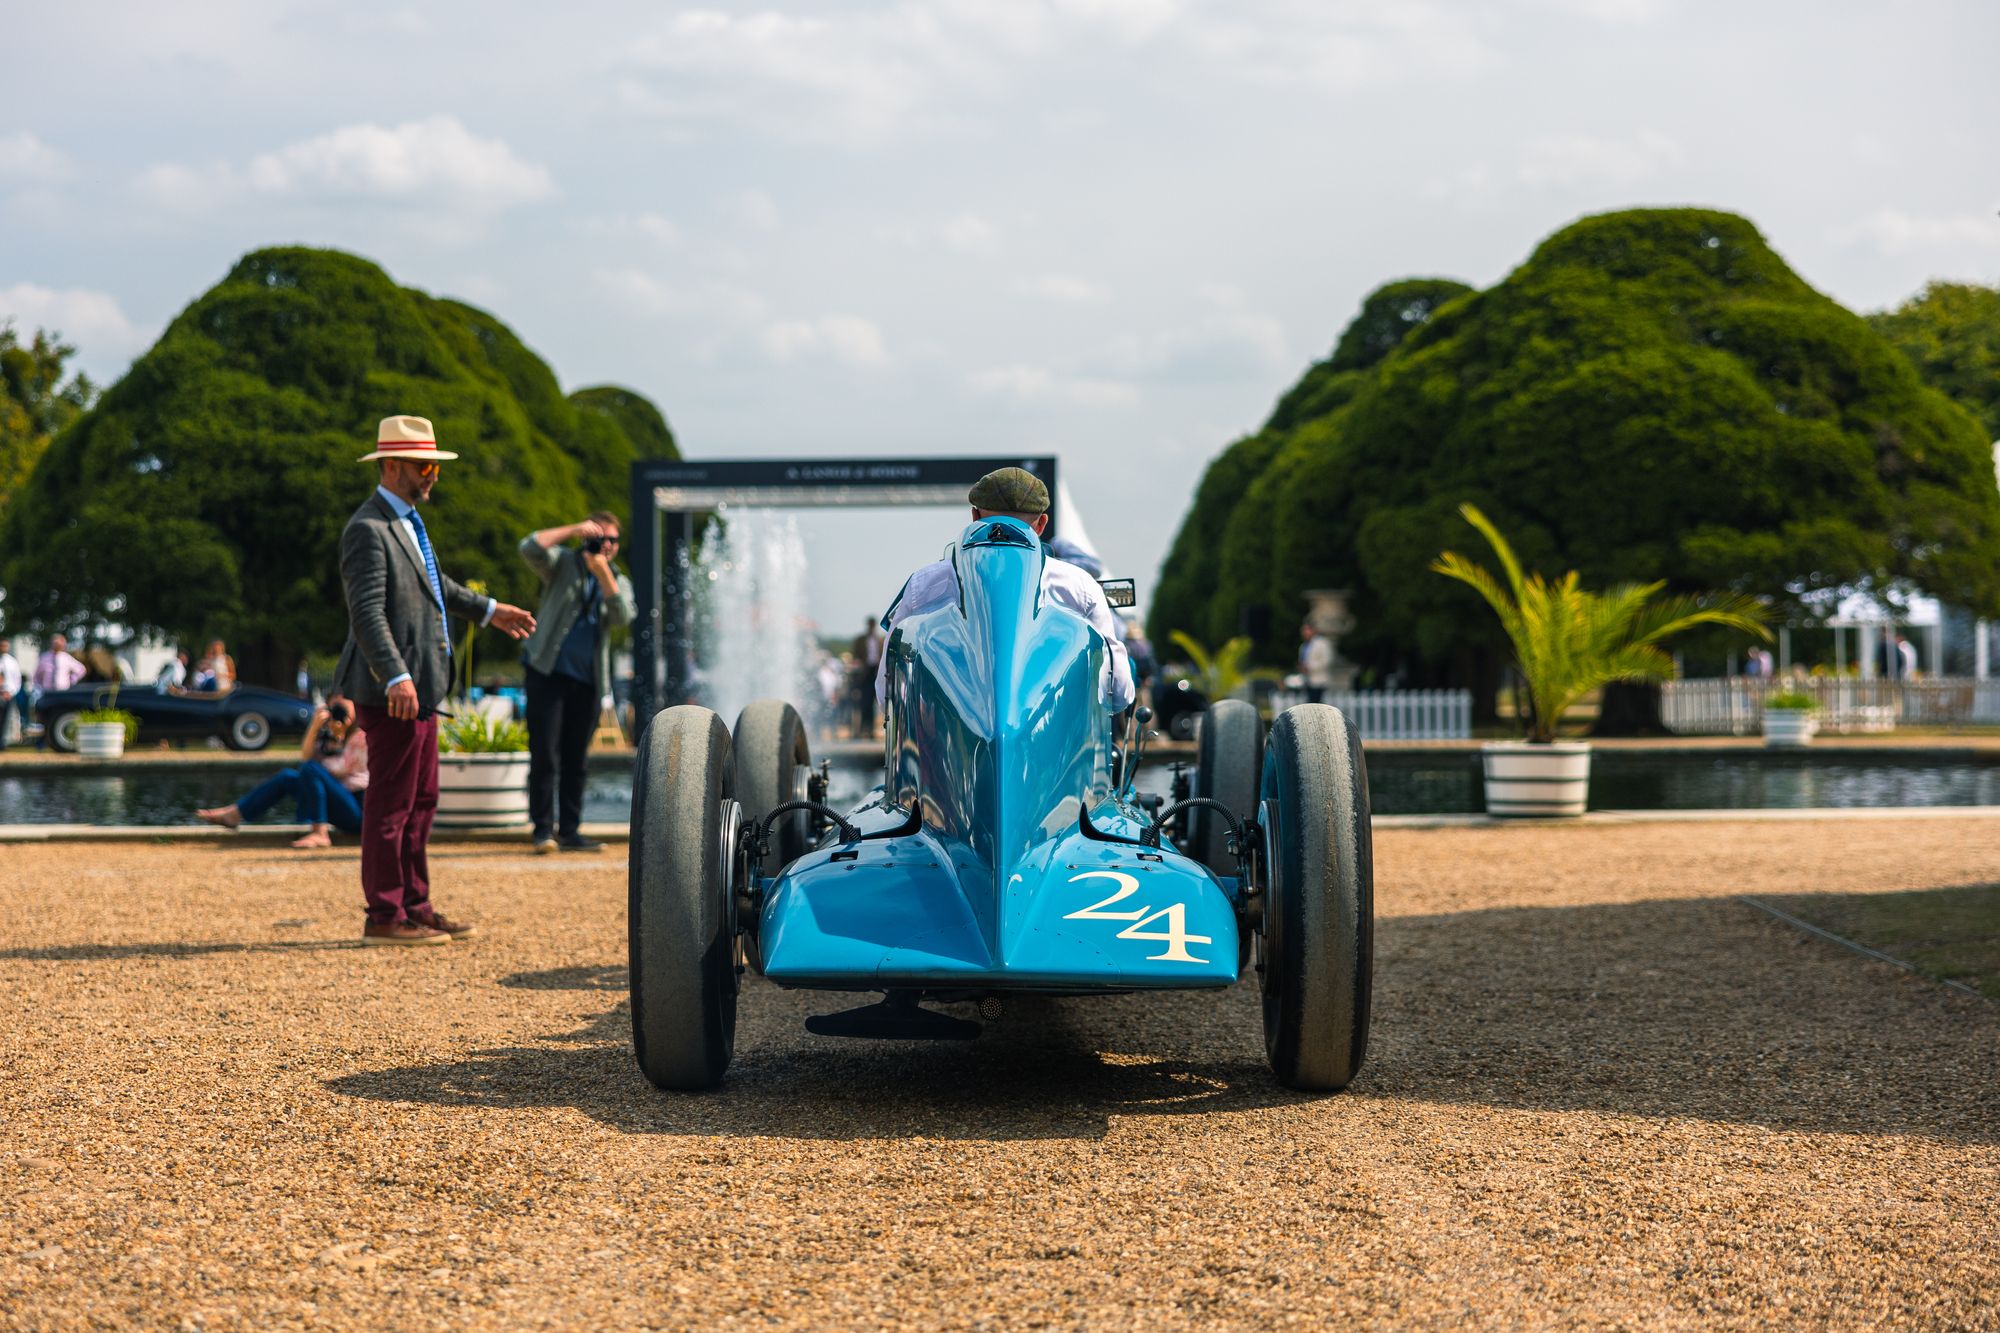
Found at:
[666, 495]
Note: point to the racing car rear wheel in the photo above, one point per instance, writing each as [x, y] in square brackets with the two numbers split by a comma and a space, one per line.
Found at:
[681, 915]
[773, 763]
[1317, 940]
[1228, 757]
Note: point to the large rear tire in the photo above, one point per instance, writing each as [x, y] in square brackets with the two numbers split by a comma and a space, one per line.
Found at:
[1317, 940]
[772, 758]
[1228, 762]
[681, 914]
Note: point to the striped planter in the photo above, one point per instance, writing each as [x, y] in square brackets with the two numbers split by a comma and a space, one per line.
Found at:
[1789, 728]
[100, 740]
[1545, 780]
[482, 790]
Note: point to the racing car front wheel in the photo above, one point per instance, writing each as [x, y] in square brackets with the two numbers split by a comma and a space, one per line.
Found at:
[681, 912]
[773, 763]
[1316, 946]
[1228, 757]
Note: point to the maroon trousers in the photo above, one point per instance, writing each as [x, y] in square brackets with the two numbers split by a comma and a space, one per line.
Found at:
[396, 817]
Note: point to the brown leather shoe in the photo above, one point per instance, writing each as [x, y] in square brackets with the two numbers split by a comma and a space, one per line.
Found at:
[401, 932]
[457, 930]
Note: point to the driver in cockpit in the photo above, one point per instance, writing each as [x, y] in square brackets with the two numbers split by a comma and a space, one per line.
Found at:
[1016, 493]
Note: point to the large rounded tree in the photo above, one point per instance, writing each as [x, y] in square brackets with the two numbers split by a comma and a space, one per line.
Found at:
[205, 492]
[1654, 394]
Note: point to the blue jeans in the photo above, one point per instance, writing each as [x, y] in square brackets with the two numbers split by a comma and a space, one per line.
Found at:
[319, 794]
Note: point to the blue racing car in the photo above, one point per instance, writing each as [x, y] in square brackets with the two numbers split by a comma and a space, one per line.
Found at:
[1007, 850]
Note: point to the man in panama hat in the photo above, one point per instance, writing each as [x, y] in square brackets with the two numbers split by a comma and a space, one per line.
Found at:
[1012, 492]
[396, 666]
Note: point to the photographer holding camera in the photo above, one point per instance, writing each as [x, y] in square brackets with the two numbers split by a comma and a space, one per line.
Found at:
[567, 663]
[327, 785]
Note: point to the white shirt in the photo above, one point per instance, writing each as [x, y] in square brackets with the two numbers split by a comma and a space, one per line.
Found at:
[1063, 585]
[402, 509]
[10, 675]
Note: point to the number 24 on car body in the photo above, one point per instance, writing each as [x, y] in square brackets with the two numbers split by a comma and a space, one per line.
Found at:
[1175, 936]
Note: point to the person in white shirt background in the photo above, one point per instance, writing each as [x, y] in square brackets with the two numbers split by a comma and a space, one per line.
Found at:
[10, 692]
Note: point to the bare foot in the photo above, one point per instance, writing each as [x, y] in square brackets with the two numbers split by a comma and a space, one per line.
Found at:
[319, 837]
[226, 815]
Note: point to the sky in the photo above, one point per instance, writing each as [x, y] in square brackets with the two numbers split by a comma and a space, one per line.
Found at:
[1110, 230]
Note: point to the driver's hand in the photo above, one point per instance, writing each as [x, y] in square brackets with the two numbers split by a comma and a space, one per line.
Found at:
[403, 701]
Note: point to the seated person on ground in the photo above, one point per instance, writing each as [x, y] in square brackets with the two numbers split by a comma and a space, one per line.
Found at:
[1015, 493]
[327, 785]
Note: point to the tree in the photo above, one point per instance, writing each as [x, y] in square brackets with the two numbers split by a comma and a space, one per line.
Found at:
[36, 402]
[1217, 575]
[205, 492]
[1652, 395]
[1951, 330]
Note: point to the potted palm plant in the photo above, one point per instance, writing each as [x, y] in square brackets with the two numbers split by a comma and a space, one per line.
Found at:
[1789, 723]
[482, 773]
[103, 733]
[1567, 642]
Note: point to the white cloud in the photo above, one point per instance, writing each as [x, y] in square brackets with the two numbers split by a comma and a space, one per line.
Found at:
[1610, 11]
[640, 292]
[970, 234]
[863, 74]
[24, 157]
[436, 160]
[91, 320]
[1228, 343]
[1585, 159]
[650, 227]
[1895, 232]
[1065, 289]
[421, 158]
[1037, 385]
[848, 339]
[754, 210]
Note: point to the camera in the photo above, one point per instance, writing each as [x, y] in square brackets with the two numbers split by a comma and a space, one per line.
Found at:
[592, 545]
[338, 712]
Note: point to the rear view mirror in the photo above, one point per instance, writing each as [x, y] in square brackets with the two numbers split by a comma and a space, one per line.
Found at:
[1120, 592]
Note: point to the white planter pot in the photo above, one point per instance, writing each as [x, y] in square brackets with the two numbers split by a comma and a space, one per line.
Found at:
[1546, 780]
[1789, 728]
[482, 790]
[100, 740]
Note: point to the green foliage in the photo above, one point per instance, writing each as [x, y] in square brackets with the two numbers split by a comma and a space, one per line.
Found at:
[1653, 394]
[472, 733]
[1568, 642]
[1224, 559]
[36, 402]
[1224, 672]
[205, 492]
[119, 716]
[1791, 700]
[1951, 330]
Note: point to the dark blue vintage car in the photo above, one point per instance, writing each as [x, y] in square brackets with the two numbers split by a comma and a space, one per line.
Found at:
[1008, 851]
[246, 718]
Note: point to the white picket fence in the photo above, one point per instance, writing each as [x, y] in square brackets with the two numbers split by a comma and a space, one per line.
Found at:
[1397, 715]
[1734, 705]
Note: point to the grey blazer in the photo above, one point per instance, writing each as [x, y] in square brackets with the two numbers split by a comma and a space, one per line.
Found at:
[392, 618]
[562, 572]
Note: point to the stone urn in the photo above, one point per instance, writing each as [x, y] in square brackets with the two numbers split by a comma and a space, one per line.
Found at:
[1327, 613]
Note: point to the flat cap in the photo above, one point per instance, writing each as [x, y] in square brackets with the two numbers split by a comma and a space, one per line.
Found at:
[1011, 490]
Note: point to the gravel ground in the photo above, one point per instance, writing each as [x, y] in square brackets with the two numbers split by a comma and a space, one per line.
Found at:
[1601, 1094]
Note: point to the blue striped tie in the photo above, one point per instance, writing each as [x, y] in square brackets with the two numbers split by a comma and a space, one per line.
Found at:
[431, 568]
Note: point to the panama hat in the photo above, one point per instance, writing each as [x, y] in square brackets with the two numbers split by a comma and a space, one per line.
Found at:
[407, 437]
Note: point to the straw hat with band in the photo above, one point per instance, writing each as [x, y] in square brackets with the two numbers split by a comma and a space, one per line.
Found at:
[407, 437]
